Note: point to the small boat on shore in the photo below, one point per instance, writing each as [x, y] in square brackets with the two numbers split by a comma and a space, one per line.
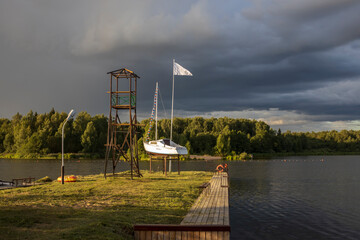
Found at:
[6, 183]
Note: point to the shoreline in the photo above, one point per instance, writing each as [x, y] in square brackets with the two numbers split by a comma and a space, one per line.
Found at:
[193, 157]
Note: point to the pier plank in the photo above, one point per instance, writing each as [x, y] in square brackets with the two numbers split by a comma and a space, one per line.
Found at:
[142, 235]
[154, 235]
[178, 235]
[220, 235]
[214, 235]
[172, 235]
[148, 235]
[196, 235]
[184, 235]
[190, 235]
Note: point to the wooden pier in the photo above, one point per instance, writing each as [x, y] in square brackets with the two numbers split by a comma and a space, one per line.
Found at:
[207, 219]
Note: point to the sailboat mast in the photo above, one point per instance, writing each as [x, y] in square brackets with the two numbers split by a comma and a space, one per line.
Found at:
[172, 104]
[156, 111]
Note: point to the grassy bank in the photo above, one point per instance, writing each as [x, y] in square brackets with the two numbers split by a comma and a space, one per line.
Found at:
[57, 156]
[314, 153]
[142, 157]
[52, 156]
[97, 208]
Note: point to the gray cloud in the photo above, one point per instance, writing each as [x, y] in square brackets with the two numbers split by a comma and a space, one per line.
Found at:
[297, 56]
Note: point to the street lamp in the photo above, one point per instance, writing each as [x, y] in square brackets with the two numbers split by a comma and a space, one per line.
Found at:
[71, 115]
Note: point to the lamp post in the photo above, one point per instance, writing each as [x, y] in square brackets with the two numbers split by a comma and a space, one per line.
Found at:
[71, 115]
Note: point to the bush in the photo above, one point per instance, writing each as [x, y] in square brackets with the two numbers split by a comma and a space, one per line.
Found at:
[44, 179]
[244, 156]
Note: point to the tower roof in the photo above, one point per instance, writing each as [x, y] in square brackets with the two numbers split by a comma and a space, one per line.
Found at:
[123, 72]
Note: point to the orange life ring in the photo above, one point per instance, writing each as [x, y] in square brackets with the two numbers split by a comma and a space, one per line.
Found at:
[71, 178]
[220, 168]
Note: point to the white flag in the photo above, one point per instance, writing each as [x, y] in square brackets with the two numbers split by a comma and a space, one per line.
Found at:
[179, 70]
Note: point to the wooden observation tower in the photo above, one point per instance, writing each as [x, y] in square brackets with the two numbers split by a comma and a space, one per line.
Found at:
[122, 136]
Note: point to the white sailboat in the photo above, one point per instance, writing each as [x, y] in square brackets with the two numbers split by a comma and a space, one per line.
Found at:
[165, 146]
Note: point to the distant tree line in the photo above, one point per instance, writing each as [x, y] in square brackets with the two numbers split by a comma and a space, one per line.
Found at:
[228, 136]
[36, 133]
[41, 133]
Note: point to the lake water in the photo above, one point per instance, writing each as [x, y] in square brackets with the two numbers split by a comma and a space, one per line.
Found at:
[308, 197]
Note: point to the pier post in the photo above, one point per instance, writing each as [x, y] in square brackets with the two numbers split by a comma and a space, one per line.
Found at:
[150, 163]
[178, 164]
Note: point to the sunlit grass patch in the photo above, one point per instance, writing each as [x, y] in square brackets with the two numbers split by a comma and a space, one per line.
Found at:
[97, 208]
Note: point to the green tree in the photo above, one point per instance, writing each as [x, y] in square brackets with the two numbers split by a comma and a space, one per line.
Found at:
[5, 128]
[223, 145]
[223, 142]
[239, 142]
[141, 149]
[33, 144]
[88, 138]
[188, 147]
[9, 143]
[203, 143]
[101, 126]
[79, 125]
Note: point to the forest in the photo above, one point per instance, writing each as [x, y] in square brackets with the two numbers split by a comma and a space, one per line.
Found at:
[34, 135]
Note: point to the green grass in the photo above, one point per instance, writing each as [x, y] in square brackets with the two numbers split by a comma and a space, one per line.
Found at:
[97, 208]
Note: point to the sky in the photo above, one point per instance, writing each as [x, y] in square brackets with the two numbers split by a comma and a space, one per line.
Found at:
[294, 64]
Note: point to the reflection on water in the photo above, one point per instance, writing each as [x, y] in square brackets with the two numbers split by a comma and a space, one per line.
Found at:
[294, 198]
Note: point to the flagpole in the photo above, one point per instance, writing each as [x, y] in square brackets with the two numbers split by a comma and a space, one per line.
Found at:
[172, 103]
[156, 111]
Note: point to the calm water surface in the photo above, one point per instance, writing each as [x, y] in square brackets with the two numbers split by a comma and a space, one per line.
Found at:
[294, 198]
[300, 198]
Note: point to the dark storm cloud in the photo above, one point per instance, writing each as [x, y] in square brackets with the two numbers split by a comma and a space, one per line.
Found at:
[299, 56]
